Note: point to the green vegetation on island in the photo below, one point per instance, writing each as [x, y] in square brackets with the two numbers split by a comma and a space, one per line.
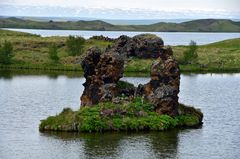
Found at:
[202, 25]
[136, 115]
[32, 52]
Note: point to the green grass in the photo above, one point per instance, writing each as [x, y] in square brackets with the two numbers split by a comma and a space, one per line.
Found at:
[223, 56]
[216, 57]
[127, 116]
[31, 52]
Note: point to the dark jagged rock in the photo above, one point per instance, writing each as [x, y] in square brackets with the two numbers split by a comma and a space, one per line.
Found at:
[102, 71]
[123, 46]
[103, 38]
[141, 46]
[163, 88]
[147, 45]
[89, 62]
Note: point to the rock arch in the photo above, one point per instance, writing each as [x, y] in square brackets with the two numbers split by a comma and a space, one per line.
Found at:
[103, 70]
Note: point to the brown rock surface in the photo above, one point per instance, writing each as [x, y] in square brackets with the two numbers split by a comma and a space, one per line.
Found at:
[102, 71]
[103, 38]
[163, 88]
[141, 46]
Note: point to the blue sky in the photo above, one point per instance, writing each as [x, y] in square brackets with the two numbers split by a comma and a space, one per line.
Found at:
[123, 9]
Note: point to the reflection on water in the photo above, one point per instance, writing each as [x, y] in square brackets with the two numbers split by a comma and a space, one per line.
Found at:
[9, 74]
[122, 145]
[28, 97]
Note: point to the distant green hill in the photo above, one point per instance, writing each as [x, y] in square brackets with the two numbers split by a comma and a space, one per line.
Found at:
[202, 25]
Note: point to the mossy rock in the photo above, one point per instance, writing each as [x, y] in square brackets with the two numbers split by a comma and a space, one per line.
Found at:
[124, 85]
[148, 36]
[136, 115]
[187, 110]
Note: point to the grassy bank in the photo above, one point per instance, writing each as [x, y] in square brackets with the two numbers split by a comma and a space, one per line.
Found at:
[129, 116]
[221, 56]
[31, 52]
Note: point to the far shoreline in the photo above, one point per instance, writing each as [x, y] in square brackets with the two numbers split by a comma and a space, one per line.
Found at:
[31, 54]
[79, 73]
[15, 29]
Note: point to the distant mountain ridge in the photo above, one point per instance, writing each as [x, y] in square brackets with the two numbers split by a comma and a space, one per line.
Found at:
[111, 21]
[201, 25]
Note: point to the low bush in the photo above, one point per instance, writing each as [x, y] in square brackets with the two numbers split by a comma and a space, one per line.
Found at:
[6, 52]
[75, 45]
[53, 55]
[190, 55]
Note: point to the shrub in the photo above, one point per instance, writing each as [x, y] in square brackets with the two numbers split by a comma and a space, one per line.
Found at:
[53, 55]
[75, 45]
[6, 52]
[190, 56]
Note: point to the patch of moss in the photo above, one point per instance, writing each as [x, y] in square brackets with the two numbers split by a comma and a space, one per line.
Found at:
[136, 115]
[62, 122]
[190, 111]
[124, 85]
[147, 35]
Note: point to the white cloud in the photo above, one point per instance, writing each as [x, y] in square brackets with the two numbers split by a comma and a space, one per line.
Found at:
[124, 8]
[232, 5]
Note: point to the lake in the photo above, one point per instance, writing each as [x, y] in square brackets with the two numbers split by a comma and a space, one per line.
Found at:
[26, 99]
[170, 38]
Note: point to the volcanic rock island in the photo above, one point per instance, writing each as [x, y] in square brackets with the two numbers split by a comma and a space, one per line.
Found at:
[110, 104]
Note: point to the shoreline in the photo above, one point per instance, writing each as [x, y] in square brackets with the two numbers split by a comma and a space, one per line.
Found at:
[15, 29]
[31, 53]
[62, 69]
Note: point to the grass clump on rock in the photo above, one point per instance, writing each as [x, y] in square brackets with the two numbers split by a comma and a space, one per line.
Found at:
[124, 85]
[132, 115]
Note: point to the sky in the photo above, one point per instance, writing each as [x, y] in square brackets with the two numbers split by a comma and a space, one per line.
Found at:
[123, 9]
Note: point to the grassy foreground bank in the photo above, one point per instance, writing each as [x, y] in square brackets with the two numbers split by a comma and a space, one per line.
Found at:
[130, 116]
[31, 52]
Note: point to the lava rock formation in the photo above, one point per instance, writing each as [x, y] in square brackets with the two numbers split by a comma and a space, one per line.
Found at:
[103, 70]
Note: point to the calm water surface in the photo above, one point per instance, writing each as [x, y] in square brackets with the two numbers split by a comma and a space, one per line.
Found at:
[170, 38]
[26, 99]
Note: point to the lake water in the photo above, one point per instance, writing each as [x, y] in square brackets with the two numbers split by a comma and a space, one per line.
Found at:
[170, 38]
[26, 99]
